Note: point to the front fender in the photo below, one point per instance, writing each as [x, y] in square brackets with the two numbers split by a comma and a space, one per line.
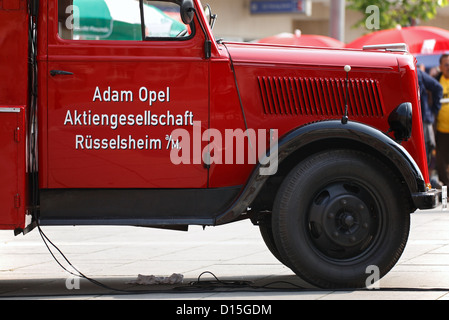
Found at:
[329, 131]
[357, 132]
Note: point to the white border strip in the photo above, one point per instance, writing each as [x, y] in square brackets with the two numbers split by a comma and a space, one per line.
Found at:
[10, 110]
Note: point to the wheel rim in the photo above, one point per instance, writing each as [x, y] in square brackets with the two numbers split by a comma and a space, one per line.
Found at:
[344, 221]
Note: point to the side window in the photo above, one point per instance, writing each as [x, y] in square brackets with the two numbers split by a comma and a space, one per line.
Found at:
[120, 20]
[163, 19]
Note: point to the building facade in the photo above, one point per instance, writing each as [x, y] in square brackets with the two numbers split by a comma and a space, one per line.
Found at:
[236, 21]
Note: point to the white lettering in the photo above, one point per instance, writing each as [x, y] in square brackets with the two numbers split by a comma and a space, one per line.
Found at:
[154, 96]
[79, 142]
[372, 281]
[72, 283]
[373, 21]
[126, 96]
[73, 20]
[88, 142]
[234, 153]
[186, 310]
[147, 118]
[113, 95]
[143, 94]
[68, 118]
[97, 94]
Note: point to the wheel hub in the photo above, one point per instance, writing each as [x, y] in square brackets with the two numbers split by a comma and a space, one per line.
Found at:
[341, 221]
[346, 220]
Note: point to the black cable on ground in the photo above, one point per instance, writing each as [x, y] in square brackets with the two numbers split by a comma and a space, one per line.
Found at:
[212, 286]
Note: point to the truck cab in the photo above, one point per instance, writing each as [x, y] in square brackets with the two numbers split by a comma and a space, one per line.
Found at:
[130, 112]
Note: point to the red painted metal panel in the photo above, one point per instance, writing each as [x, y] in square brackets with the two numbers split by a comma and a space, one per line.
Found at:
[11, 4]
[13, 56]
[12, 167]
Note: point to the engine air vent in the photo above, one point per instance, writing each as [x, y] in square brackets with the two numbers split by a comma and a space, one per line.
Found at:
[320, 96]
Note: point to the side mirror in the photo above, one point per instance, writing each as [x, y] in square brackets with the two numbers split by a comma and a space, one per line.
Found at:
[208, 13]
[210, 17]
[187, 11]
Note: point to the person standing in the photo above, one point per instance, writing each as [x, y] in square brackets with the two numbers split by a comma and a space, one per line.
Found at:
[430, 106]
[442, 135]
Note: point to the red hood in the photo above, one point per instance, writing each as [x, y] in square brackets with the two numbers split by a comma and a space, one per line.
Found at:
[310, 56]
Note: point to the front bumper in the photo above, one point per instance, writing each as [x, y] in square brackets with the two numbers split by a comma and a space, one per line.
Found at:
[427, 200]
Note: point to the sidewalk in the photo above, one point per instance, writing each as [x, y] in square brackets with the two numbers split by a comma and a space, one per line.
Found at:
[234, 253]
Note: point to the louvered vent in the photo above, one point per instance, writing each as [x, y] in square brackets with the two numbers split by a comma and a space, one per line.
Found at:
[320, 96]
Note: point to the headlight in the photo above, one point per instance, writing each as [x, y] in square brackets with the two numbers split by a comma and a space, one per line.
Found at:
[400, 121]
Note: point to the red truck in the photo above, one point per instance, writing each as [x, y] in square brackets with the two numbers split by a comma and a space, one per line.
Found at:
[130, 112]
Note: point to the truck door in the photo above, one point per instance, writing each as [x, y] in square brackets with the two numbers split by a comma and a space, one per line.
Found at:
[114, 96]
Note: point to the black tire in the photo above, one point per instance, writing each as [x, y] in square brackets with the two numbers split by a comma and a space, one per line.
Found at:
[335, 214]
[266, 230]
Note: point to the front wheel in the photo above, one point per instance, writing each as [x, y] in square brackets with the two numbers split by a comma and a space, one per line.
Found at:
[336, 214]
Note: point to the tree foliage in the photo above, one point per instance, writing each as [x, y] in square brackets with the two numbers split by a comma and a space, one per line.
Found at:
[397, 12]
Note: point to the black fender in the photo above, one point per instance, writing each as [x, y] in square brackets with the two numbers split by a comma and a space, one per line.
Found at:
[334, 130]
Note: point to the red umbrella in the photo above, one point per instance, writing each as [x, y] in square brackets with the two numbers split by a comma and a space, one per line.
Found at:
[307, 40]
[420, 39]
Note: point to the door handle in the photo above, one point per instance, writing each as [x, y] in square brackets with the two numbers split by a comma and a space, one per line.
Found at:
[60, 73]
